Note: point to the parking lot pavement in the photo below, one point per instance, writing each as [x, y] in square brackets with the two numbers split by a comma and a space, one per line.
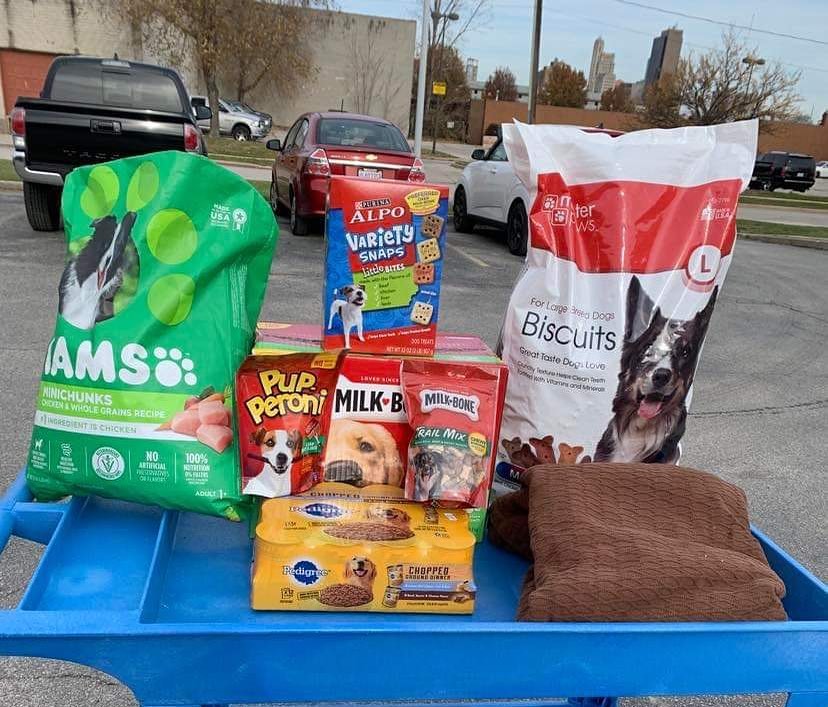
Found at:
[758, 414]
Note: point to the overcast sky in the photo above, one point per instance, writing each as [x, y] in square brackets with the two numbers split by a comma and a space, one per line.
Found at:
[569, 29]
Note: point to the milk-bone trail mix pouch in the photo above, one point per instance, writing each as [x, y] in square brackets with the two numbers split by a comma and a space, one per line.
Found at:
[385, 242]
[630, 241]
[452, 408]
[166, 266]
[284, 410]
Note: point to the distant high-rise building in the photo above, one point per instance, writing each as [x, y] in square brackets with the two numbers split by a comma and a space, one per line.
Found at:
[471, 70]
[601, 71]
[664, 56]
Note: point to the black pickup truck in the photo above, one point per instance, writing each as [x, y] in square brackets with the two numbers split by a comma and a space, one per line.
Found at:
[93, 110]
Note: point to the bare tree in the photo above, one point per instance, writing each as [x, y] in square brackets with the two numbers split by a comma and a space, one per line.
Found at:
[208, 31]
[268, 38]
[501, 85]
[373, 85]
[727, 83]
[471, 14]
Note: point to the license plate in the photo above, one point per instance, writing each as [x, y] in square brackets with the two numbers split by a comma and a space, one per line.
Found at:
[800, 174]
[366, 173]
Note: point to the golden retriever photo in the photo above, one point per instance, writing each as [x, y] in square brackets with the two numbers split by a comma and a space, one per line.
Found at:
[362, 453]
[361, 572]
[393, 516]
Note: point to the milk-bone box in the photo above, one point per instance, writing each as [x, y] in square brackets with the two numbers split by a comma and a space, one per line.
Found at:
[385, 242]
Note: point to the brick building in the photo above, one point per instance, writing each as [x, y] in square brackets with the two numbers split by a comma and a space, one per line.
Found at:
[33, 32]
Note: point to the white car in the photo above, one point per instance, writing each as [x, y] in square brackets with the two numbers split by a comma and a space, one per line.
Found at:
[822, 169]
[489, 193]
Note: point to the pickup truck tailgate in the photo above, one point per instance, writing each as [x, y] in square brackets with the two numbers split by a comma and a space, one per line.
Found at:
[60, 137]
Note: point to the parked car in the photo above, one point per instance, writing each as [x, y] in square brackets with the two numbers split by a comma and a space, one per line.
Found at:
[242, 107]
[822, 169]
[788, 170]
[239, 124]
[93, 110]
[489, 193]
[321, 144]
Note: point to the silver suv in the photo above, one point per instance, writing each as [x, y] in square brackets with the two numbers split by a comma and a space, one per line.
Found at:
[240, 125]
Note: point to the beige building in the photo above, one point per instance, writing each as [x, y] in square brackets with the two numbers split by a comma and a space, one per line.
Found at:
[601, 72]
[363, 63]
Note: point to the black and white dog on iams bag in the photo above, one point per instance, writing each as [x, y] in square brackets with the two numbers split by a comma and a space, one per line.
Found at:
[348, 305]
[658, 362]
[93, 276]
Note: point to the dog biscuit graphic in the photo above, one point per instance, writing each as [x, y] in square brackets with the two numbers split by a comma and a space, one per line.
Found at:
[568, 454]
[428, 250]
[421, 313]
[423, 273]
[432, 226]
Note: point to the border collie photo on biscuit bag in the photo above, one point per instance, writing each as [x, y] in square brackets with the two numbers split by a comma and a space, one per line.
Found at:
[93, 277]
[658, 363]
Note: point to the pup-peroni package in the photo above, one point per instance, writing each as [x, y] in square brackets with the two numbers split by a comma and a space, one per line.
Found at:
[630, 241]
[452, 411]
[385, 245]
[167, 262]
[284, 411]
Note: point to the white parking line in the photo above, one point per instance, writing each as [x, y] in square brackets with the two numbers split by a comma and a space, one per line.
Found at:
[468, 256]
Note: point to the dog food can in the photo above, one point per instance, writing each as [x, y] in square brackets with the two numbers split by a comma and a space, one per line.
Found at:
[385, 242]
[391, 597]
[317, 553]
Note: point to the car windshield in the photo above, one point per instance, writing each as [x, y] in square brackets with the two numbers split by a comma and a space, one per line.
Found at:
[89, 82]
[350, 132]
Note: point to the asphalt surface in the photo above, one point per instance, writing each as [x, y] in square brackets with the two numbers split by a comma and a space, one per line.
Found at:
[758, 414]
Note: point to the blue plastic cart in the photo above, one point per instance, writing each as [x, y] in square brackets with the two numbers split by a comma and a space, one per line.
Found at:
[159, 600]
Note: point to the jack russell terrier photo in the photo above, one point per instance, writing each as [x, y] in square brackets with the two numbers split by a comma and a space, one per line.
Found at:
[349, 308]
[277, 450]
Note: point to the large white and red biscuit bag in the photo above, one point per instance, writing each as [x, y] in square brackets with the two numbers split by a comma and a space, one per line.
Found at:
[630, 240]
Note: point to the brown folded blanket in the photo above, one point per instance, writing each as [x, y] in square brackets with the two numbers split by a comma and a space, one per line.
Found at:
[635, 542]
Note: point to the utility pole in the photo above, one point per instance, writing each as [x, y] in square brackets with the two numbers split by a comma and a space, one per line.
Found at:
[437, 109]
[421, 81]
[533, 68]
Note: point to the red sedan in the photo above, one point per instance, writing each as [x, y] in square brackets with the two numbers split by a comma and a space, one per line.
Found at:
[321, 144]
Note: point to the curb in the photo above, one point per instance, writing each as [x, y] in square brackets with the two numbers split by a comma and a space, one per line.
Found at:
[800, 241]
[10, 185]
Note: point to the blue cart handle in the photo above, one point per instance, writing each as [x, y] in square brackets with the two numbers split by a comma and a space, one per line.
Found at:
[19, 515]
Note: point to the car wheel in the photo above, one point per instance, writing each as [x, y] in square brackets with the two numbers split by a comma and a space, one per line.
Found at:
[517, 229]
[766, 186]
[298, 224]
[42, 203]
[241, 133]
[275, 204]
[462, 221]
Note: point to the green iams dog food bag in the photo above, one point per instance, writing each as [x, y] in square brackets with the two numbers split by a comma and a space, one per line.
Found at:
[168, 260]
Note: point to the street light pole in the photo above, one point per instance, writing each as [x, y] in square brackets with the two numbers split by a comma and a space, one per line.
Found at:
[533, 68]
[752, 61]
[421, 81]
